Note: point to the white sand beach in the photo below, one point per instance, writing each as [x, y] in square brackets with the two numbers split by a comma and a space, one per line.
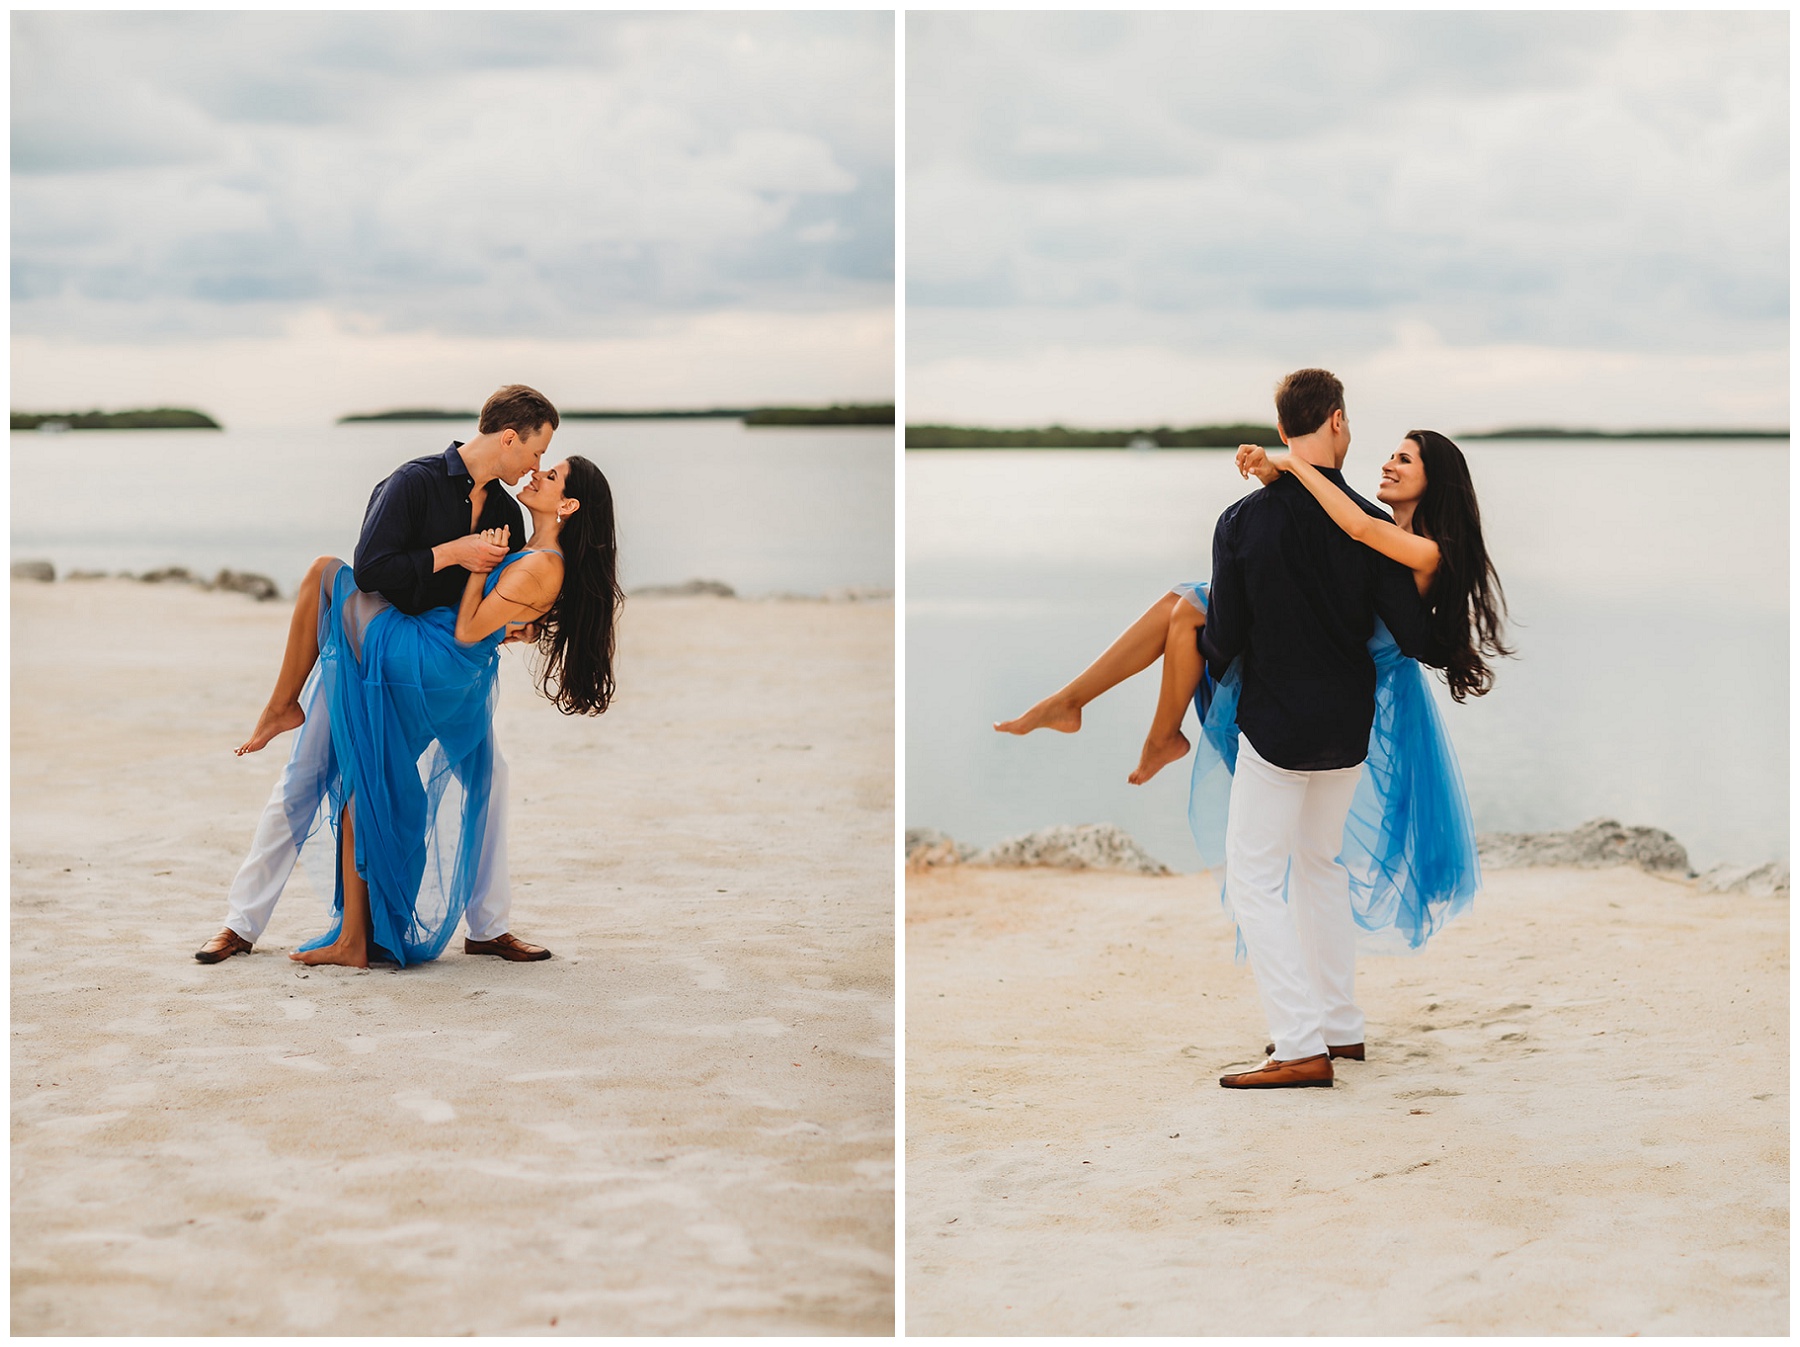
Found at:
[1573, 1118]
[683, 1123]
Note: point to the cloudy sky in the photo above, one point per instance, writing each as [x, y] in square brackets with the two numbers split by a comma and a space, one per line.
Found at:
[282, 217]
[1475, 219]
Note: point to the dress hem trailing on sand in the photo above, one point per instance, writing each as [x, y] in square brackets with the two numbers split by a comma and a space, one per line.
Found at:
[1409, 840]
[409, 712]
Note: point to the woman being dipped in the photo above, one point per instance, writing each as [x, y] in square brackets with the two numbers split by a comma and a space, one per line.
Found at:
[411, 706]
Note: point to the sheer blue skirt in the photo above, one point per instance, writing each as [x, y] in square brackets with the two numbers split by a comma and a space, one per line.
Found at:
[1409, 841]
[409, 713]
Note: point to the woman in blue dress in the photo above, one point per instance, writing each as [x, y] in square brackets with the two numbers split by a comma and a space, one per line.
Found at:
[410, 699]
[1409, 842]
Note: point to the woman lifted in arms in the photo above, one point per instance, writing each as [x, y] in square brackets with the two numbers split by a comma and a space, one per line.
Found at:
[1416, 848]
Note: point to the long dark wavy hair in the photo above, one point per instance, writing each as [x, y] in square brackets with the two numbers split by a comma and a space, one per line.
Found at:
[1465, 604]
[577, 633]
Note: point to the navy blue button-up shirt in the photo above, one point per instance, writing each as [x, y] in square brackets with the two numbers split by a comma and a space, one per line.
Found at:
[1297, 597]
[424, 502]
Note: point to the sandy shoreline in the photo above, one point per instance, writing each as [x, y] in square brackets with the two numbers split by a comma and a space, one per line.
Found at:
[1573, 1118]
[681, 1124]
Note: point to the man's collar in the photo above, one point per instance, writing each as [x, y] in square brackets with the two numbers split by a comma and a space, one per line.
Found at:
[453, 463]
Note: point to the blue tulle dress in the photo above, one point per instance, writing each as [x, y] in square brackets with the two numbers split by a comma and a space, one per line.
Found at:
[409, 711]
[1409, 840]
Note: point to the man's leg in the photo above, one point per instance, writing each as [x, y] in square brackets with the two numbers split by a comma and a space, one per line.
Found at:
[490, 905]
[1319, 897]
[265, 871]
[1260, 832]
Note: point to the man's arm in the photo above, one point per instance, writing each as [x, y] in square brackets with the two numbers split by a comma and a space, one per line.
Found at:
[388, 557]
[1227, 614]
[384, 559]
[1398, 604]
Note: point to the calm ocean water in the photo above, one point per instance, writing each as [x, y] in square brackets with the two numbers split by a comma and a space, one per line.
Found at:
[767, 510]
[1648, 584]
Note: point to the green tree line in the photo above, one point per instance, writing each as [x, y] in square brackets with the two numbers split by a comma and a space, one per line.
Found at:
[159, 418]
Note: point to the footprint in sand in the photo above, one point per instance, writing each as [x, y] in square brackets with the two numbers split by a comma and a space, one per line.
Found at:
[429, 1110]
[559, 1132]
[708, 977]
[129, 1092]
[762, 1026]
[300, 1062]
[725, 1244]
[82, 1123]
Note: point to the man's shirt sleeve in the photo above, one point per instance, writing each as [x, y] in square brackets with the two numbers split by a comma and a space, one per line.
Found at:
[1227, 614]
[383, 561]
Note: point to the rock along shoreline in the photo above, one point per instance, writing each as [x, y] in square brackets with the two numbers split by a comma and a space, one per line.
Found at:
[1597, 844]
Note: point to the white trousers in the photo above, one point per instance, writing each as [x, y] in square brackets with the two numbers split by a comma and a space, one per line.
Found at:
[264, 873]
[1284, 831]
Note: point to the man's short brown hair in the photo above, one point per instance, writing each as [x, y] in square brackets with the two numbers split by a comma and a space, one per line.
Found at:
[1305, 400]
[518, 409]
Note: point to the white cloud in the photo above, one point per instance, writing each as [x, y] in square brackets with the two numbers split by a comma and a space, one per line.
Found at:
[1236, 187]
[572, 175]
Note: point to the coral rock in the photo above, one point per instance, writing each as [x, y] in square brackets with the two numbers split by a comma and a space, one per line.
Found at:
[1596, 844]
[1759, 881]
[1086, 846]
[258, 587]
[927, 848]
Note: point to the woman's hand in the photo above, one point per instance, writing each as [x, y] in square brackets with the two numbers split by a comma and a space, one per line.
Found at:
[478, 553]
[1253, 462]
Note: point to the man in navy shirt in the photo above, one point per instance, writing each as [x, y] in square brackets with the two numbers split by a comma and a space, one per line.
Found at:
[1295, 599]
[420, 542]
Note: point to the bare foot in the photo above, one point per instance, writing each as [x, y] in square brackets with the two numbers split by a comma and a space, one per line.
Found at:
[1158, 754]
[348, 956]
[273, 721]
[1053, 713]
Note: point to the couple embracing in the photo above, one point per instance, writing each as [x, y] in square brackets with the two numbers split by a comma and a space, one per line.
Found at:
[389, 677]
[1346, 810]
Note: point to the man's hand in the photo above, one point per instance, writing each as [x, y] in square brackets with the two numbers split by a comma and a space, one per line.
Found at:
[477, 553]
[526, 633]
[1253, 462]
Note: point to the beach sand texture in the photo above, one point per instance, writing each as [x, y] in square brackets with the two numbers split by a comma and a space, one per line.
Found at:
[1573, 1118]
[683, 1123]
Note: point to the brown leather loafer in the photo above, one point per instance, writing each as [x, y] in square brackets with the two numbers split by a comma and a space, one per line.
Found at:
[1354, 1051]
[507, 946]
[222, 946]
[1299, 1073]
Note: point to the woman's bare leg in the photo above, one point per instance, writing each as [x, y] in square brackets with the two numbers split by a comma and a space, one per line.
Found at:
[283, 711]
[1180, 676]
[351, 948]
[1135, 650]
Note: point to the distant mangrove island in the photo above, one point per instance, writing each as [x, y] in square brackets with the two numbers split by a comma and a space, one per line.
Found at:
[159, 418]
[838, 414]
[1230, 436]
